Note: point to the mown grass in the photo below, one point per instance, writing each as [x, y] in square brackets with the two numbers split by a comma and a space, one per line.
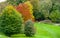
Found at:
[3, 35]
[47, 30]
[43, 31]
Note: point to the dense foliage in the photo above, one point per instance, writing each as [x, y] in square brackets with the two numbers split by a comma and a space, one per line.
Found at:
[10, 21]
[29, 28]
[2, 6]
[41, 8]
[45, 11]
[38, 15]
[26, 9]
[55, 16]
[15, 2]
[55, 12]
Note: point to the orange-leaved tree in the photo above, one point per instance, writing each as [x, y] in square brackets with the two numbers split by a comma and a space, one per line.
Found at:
[26, 9]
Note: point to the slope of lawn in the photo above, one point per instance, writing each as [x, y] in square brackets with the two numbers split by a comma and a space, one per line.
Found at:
[3, 35]
[43, 31]
[47, 30]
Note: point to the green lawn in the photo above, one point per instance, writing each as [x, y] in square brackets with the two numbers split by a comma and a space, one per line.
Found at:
[3, 36]
[47, 31]
[43, 31]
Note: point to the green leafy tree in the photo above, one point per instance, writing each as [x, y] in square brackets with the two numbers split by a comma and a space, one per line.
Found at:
[55, 16]
[3, 5]
[10, 21]
[55, 12]
[15, 2]
[42, 7]
[38, 15]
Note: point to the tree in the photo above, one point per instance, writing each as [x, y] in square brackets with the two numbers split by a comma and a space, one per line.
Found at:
[15, 2]
[26, 9]
[10, 21]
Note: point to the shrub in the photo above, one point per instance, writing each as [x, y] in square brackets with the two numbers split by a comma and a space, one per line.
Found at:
[29, 28]
[55, 16]
[55, 11]
[15, 2]
[56, 6]
[10, 21]
[26, 10]
[38, 15]
[3, 5]
[43, 6]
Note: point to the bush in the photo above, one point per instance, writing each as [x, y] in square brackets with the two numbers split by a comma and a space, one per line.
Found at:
[55, 16]
[43, 6]
[3, 5]
[26, 9]
[38, 15]
[56, 6]
[29, 28]
[55, 12]
[15, 2]
[10, 21]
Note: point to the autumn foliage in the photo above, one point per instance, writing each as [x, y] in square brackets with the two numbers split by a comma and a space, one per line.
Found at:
[26, 9]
